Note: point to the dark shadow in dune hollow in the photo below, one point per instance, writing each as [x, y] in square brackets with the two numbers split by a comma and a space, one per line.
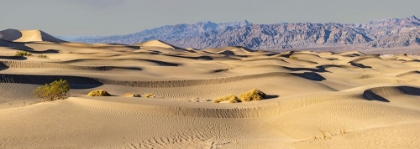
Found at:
[227, 52]
[13, 57]
[359, 65]
[15, 45]
[271, 97]
[49, 51]
[3, 66]
[320, 69]
[323, 67]
[352, 55]
[194, 58]
[10, 34]
[414, 60]
[74, 81]
[409, 90]
[161, 63]
[369, 95]
[310, 76]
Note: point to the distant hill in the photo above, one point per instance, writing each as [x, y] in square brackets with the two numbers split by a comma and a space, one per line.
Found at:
[388, 33]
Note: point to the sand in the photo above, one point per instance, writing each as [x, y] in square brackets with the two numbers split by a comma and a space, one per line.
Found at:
[316, 99]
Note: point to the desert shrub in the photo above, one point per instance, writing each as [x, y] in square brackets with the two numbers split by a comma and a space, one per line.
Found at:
[42, 56]
[132, 95]
[71, 52]
[148, 95]
[293, 57]
[98, 93]
[23, 53]
[229, 99]
[252, 95]
[56, 90]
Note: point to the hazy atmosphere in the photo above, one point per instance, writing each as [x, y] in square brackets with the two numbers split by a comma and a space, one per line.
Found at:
[109, 17]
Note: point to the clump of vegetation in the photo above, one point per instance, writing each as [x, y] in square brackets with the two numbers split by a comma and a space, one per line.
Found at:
[42, 56]
[230, 99]
[148, 95]
[252, 95]
[71, 52]
[101, 92]
[132, 95]
[23, 53]
[56, 90]
[293, 57]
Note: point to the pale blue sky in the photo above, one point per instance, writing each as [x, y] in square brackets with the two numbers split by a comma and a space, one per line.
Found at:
[108, 17]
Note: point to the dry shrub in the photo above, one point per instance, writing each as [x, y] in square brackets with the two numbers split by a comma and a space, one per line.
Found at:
[71, 52]
[42, 56]
[56, 90]
[230, 99]
[148, 95]
[132, 95]
[252, 95]
[23, 53]
[293, 57]
[98, 93]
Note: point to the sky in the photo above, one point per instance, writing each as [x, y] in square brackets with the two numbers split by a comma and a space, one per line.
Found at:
[118, 17]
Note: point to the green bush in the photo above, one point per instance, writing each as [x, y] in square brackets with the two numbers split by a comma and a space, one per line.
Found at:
[56, 90]
[23, 53]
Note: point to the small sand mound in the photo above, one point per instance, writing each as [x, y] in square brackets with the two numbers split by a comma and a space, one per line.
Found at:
[14, 35]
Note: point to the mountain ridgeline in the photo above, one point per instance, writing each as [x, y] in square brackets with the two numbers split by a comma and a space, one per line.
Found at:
[388, 33]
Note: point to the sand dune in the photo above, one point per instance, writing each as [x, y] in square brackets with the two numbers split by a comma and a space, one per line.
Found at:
[315, 100]
[27, 36]
[157, 43]
[238, 50]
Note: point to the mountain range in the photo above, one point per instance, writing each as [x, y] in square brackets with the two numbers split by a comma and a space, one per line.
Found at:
[387, 33]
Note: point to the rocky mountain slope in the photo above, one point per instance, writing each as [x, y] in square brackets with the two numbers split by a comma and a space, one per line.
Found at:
[386, 33]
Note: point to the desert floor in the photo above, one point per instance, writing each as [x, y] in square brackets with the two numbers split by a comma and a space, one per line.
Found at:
[316, 99]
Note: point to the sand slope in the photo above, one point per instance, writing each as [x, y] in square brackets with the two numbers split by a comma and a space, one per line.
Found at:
[316, 100]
